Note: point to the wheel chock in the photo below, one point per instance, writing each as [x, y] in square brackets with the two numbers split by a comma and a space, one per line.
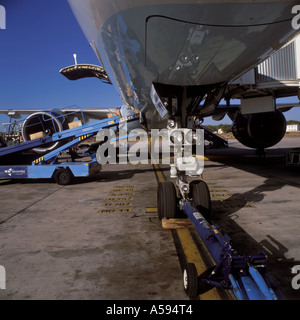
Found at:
[176, 223]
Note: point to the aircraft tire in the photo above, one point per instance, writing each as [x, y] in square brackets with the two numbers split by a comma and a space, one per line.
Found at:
[166, 200]
[190, 280]
[201, 196]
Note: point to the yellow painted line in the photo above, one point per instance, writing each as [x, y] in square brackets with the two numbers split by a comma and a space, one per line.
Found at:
[215, 195]
[151, 210]
[120, 199]
[118, 190]
[249, 205]
[117, 204]
[214, 185]
[159, 174]
[114, 194]
[127, 186]
[193, 256]
[124, 210]
[201, 157]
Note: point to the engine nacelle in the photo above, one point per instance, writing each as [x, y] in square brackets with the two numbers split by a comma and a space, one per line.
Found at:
[259, 130]
[43, 123]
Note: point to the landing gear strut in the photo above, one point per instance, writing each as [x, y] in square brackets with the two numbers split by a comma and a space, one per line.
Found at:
[184, 164]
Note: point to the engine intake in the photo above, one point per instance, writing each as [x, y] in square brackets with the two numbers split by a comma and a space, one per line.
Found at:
[43, 123]
[259, 130]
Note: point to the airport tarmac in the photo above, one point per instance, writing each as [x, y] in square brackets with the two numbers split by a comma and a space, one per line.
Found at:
[100, 237]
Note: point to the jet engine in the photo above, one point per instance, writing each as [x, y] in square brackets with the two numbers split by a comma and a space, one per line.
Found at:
[43, 123]
[259, 130]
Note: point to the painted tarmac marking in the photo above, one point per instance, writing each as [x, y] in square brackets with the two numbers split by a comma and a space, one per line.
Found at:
[117, 194]
[216, 195]
[124, 210]
[114, 194]
[126, 186]
[233, 202]
[158, 173]
[151, 210]
[214, 185]
[120, 199]
[117, 204]
[218, 190]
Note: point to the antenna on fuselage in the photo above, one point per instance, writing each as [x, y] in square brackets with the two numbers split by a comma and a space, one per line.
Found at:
[75, 58]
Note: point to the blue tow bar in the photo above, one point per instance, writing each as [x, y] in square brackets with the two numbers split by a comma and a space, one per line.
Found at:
[245, 275]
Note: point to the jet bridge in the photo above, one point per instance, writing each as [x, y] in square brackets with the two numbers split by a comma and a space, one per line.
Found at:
[278, 76]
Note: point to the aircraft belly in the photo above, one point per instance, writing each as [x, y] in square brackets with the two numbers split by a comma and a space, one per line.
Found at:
[200, 55]
[181, 42]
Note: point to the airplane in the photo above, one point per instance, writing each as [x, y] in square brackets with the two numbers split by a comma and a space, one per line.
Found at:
[166, 57]
[173, 61]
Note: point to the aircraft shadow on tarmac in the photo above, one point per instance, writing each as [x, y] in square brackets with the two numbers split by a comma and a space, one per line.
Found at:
[277, 176]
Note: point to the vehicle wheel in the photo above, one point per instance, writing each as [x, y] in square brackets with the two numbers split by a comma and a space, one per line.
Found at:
[190, 280]
[166, 200]
[200, 194]
[63, 176]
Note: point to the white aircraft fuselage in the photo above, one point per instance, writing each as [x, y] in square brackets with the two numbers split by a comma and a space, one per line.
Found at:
[181, 42]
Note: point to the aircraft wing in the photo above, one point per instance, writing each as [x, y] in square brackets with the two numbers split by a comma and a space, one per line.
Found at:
[80, 113]
[220, 112]
[286, 107]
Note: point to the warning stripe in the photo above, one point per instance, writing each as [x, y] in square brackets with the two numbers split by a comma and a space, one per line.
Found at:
[83, 137]
[39, 160]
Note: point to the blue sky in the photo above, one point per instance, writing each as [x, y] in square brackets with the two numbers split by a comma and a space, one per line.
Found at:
[40, 39]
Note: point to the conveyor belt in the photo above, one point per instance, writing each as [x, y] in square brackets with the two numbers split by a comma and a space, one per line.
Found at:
[215, 139]
[88, 129]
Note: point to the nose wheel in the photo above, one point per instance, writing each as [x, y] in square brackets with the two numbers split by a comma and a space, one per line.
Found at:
[166, 200]
[200, 194]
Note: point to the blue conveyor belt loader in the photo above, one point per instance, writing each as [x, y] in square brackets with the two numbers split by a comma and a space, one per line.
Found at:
[47, 165]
